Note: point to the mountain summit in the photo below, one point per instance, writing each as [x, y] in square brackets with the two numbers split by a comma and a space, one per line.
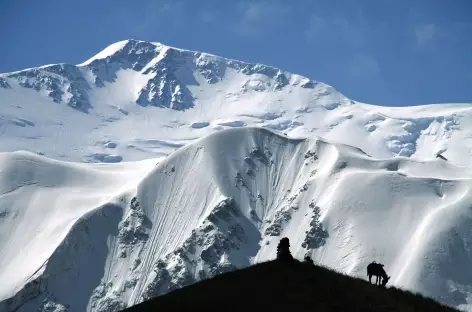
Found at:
[148, 168]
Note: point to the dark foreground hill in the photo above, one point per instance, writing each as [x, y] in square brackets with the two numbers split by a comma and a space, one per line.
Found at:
[272, 286]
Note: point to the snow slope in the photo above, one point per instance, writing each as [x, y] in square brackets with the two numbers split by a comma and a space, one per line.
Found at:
[148, 167]
[254, 186]
[41, 200]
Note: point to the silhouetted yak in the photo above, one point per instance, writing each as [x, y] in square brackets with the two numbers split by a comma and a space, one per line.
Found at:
[377, 270]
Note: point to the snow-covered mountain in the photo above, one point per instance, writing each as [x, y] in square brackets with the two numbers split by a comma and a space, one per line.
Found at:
[261, 154]
[136, 100]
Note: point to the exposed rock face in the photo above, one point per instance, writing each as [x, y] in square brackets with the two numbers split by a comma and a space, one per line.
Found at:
[213, 248]
[4, 84]
[63, 83]
[165, 89]
[316, 236]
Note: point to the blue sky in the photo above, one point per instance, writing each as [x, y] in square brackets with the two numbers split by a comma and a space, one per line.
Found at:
[385, 52]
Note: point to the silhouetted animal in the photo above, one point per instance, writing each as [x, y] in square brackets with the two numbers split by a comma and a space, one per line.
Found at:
[283, 251]
[379, 272]
[308, 259]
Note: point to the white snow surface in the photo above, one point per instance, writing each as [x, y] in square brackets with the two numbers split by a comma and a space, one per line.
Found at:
[147, 168]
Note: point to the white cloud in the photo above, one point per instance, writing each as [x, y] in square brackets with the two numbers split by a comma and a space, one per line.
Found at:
[363, 66]
[254, 12]
[155, 14]
[350, 29]
[425, 33]
[208, 16]
[258, 17]
[316, 25]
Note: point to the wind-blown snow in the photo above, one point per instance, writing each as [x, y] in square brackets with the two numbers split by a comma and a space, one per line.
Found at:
[148, 168]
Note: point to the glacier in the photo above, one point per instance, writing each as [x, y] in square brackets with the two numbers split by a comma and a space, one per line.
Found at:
[147, 168]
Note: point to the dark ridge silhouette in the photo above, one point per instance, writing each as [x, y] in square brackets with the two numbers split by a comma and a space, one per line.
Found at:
[275, 286]
[377, 270]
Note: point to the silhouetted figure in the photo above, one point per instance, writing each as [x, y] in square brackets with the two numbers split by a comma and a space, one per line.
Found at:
[379, 272]
[283, 251]
[308, 259]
